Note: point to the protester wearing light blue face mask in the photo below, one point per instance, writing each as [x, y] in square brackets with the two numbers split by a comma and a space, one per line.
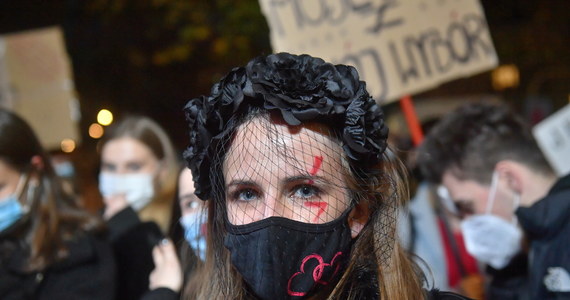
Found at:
[194, 232]
[63, 167]
[11, 210]
[49, 244]
[485, 155]
[194, 216]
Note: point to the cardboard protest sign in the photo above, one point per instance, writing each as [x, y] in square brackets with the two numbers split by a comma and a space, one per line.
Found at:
[38, 84]
[553, 137]
[399, 47]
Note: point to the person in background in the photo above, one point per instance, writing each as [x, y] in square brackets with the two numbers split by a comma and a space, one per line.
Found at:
[65, 170]
[431, 231]
[511, 200]
[137, 180]
[187, 228]
[188, 223]
[194, 215]
[290, 154]
[50, 248]
[138, 170]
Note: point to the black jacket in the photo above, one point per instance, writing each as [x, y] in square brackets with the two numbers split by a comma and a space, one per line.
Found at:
[365, 286]
[510, 282]
[547, 226]
[132, 242]
[88, 272]
[161, 294]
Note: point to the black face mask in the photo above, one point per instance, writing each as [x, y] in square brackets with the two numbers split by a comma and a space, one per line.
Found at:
[284, 259]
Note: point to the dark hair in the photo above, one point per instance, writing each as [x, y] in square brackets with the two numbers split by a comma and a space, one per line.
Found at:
[472, 139]
[54, 216]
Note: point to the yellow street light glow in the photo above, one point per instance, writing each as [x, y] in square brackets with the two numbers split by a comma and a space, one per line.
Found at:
[96, 131]
[105, 117]
[505, 76]
[67, 145]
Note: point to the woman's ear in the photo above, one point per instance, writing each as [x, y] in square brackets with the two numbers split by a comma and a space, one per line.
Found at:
[358, 217]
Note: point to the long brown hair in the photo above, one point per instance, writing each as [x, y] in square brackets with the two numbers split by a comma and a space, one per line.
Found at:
[302, 89]
[376, 250]
[398, 276]
[149, 133]
[54, 217]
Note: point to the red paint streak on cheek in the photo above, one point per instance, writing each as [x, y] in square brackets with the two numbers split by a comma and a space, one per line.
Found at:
[321, 205]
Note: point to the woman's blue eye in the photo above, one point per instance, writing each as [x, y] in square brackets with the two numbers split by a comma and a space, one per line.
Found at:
[246, 195]
[306, 192]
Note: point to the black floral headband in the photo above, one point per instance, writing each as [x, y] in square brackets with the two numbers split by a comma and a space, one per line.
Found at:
[302, 88]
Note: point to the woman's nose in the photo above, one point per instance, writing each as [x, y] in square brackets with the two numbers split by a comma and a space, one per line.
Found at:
[274, 206]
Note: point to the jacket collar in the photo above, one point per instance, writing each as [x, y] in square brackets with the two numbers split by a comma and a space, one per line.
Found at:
[560, 185]
[548, 215]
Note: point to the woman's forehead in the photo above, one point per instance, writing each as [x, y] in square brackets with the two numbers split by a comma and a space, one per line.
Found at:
[279, 147]
[125, 149]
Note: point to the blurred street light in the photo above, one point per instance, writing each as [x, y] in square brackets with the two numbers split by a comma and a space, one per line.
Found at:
[505, 76]
[105, 117]
[96, 131]
[67, 145]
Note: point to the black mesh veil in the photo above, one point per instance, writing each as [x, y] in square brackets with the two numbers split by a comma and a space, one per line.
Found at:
[297, 145]
[276, 170]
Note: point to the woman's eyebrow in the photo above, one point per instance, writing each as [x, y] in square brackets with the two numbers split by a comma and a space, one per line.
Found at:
[242, 182]
[309, 178]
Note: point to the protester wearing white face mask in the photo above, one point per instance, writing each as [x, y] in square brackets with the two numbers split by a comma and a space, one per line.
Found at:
[497, 176]
[137, 181]
[481, 232]
[138, 170]
[137, 189]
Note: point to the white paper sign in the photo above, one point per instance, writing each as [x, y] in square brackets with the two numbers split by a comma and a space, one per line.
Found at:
[398, 46]
[553, 137]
